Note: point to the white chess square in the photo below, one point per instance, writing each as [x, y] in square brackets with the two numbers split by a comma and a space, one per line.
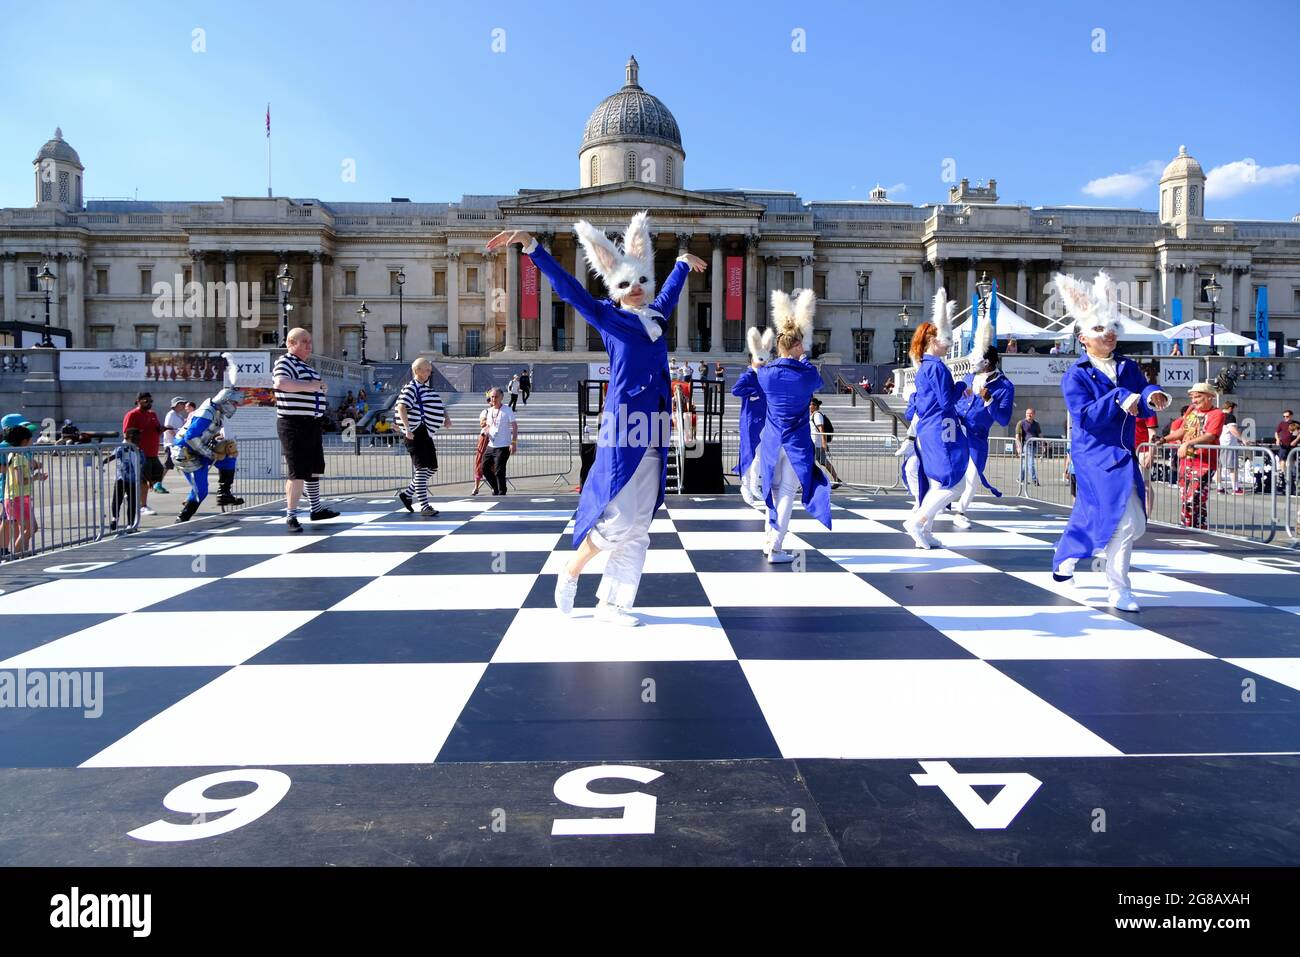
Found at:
[161, 639]
[242, 545]
[503, 542]
[326, 565]
[95, 596]
[1189, 561]
[1049, 632]
[1150, 589]
[741, 513]
[524, 515]
[841, 525]
[304, 714]
[438, 592]
[735, 541]
[346, 518]
[910, 709]
[1285, 671]
[824, 589]
[903, 560]
[438, 526]
[662, 560]
[666, 634]
[974, 539]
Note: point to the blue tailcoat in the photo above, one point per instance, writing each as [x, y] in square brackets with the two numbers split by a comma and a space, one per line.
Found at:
[753, 411]
[638, 387]
[789, 385]
[1102, 452]
[922, 483]
[980, 418]
[935, 405]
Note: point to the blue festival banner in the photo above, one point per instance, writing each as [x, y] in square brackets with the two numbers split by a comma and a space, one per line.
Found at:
[993, 311]
[1261, 322]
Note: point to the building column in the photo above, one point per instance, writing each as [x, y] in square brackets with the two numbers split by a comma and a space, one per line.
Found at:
[970, 283]
[317, 302]
[1022, 281]
[938, 279]
[717, 288]
[76, 301]
[753, 314]
[684, 300]
[1247, 301]
[329, 344]
[1227, 302]
[11, 287]
[771, 274]
[545, 338]
[231, 299]
[512, 298]
[1189, 292]
[196, 277]
[453, 298]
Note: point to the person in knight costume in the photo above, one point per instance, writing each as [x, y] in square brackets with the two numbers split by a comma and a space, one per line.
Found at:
[199, 443]
[988, 399]
[626, 482]
[940, 440]
[753, 413]
[1104, 393]
[786, 455]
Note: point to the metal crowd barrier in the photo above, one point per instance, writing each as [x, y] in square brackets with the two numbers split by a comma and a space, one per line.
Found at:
[861, 460]
[1041, 472]
[1291, 503]
[71, 500]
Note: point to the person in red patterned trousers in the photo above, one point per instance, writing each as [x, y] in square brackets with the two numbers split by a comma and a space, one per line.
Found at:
[1202, 425]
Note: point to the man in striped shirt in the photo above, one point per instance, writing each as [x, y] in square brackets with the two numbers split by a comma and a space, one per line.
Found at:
[420, 412]
[299, 404]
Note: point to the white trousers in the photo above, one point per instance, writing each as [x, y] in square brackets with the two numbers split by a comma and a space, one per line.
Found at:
[785, 485]
[623, 530]
[966, 491]
[1119, 550]
[935, 501]
[751, 483]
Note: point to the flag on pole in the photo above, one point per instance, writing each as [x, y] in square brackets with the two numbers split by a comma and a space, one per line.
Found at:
[268, 119]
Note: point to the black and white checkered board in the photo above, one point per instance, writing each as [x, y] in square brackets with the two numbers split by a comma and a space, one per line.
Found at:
[383, 641]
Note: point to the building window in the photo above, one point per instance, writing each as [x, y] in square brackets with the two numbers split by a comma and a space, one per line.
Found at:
[905, 289]
[349, 282]
[1143, 292]
[1178, 201]
[631, 166]
[33, 285]
[669, 171]
[595, 170]
[187, 277]
[471, 279]
[787, 280]
[350, 337]
[864, 290]
[473, 342]
[268, 283]
[101, 282]
[65, 188]
[821, 342]
[861, 345]
[392, 281]
[146, 282]
[819, 285]
[47, 191]
[1205, 281]
[392, 342]
[440, 282]
[101, 337]
[438, 341]
[187, 337]
[1295, 300]
[902, 342]
[146, 337]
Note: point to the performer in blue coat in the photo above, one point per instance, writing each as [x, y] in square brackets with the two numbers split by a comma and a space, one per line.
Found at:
[787, 459]
[200, 443]
[940, 440]
[1104, 393]
[753, 412]
[988, 400]
[626, 482]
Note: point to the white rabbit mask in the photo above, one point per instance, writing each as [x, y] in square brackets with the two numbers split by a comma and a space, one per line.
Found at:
[760, 344]
[621, 269]
[1094, 308]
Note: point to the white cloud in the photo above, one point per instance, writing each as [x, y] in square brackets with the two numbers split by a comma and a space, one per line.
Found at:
[896, 188]
[1235, 178]
[1125, 184]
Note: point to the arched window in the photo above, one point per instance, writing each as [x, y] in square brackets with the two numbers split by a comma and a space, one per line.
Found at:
[668, 172]
[595, 169]
[631, 166]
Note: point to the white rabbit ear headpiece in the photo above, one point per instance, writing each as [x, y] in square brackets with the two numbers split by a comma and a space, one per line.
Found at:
[794, 317]
[1094, 308]
[618, 268]
[983, 339]
[942, 315]
[760, 344]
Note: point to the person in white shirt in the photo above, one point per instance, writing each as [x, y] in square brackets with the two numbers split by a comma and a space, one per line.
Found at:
[514, 392]
[502, 430]
[172, 422]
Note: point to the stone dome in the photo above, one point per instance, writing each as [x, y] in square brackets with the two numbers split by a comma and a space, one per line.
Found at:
[1181, 166]
[58, 149]
[631, 115]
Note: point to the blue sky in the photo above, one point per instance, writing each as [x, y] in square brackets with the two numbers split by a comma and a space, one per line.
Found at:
[883, 93]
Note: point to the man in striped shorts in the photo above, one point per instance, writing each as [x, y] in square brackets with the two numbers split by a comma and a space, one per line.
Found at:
[299, 404]
[420, 413]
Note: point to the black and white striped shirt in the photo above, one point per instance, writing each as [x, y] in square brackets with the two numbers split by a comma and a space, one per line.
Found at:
[423, 406]
[289, 366]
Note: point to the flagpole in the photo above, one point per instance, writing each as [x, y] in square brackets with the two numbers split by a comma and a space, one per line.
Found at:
[268, 151]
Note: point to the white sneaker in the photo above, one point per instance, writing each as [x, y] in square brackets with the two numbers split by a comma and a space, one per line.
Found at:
[146, 510]
[778, 557]
[919, 537]
[960, 520]
[1124, 601]
[566, 590]
[613, 615]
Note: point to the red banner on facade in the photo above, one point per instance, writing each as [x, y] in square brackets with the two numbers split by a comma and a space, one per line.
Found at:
[527, 288]
[735, 309]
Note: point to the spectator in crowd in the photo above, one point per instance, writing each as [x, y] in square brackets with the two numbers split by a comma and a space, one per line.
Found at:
[172, 421]
[1177, 350]
[889, 385]
[1012, 347]
[127, 484]
[1055, 350]
[503, 438]
[1026, 429]
[865, 385]
[420, 412]
[361, 407]
[525, 384]
[1294, 473]
[8, 529]
[1202, 425]
[1285, 443]
[719, 372]
[299, 404]
[819, 425]
[144, 418]
[1230, 461]
[21, 473]
[513, 389]
[481, 447]
[69, 434]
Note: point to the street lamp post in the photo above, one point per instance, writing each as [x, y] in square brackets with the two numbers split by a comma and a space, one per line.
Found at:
[401, 325]
[286, 286]
[46, 279]
[361, 315]
[1212, 290]
[862, 297]
[900, 353]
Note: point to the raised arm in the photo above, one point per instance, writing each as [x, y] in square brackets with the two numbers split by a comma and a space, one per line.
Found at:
[666, 301]
[746, 384]
[1093, 413]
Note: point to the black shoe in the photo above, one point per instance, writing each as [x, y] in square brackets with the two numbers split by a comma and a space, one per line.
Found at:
[321, 514]
[428, 512]
[406, 500]
[187, 510]
[293, 526]
[228, 498]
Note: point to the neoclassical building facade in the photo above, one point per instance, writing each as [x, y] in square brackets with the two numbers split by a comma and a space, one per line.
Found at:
[429, 286]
